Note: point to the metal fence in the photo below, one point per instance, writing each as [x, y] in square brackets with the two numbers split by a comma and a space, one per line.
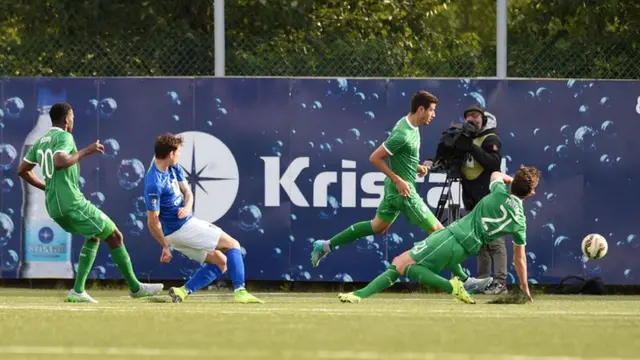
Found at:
[291, 38]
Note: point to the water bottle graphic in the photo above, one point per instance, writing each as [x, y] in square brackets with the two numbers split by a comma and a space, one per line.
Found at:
[45, 246]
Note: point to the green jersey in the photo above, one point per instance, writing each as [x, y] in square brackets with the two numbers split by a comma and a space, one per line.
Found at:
[496, 215]
[61, 185]
[403, 144]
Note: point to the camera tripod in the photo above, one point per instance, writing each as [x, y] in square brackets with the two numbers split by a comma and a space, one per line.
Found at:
[446, 198]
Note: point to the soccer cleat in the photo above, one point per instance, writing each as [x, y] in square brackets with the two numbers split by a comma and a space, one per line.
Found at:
[349, 298]
[147, 290]
[459, 292]
[178, 294]
[496, 289]
[243, 296]
[473, 285]
[76, 297]
[318, 252]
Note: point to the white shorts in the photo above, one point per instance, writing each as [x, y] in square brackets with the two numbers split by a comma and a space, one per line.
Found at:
[195, 239]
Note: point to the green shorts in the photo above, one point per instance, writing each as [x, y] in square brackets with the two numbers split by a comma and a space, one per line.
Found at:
[88, 221]
[439, 251]
[413, 208]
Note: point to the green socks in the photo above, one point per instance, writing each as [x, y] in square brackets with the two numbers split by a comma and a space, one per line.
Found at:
[457, 271]
[120, 256]
[352, 233]
[425, 276]
[382, 282]
[85, 263]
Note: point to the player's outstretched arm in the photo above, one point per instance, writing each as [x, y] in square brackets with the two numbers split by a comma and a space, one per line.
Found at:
[153, 222]
[25, 171]
[63, 160]
[520, 261]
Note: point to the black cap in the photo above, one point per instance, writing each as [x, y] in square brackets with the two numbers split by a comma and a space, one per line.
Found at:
[474, 107]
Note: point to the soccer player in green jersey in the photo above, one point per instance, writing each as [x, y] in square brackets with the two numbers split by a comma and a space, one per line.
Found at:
[402, 148]
[58, 157]
[498, 214]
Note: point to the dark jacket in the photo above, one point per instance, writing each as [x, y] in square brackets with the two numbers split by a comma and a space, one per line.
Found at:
[483, 158]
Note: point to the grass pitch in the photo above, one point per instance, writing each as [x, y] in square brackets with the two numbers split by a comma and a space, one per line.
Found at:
[36, 324]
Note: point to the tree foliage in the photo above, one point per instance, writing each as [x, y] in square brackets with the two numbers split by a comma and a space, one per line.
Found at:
[385, 38]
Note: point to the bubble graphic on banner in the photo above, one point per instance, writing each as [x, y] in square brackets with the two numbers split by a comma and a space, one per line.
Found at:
[8, 155]
[9, 260]
[92, 107]
[174, 98]
[344, 277]
[628, 274]
[81, 182]
[354, 133]
[111, 147]
[563, 247]
[7, 185]
[140, 206]
[370, 115]
[134, 225]
[551, 167]
[98, 273]
[331, 210]
[535, 131]
[343, 84]
[565, 130]
[107, 107]
[317, 104]
[606, 160]
[250, 217]
[562, 151]
[130, 173]
[277, 252]
[366, 244]
[97, 198]
[393, 240]
[584, 138]
[277, 148]
[478, 98]
[13, 106]
[6, 229]
[607, 127]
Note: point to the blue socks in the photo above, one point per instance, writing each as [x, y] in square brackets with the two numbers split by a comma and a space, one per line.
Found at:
[203, 277]
[235, 266]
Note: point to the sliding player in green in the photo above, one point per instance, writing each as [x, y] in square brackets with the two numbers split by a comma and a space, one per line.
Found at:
[402, 148]
[58, 157]
[498, 214]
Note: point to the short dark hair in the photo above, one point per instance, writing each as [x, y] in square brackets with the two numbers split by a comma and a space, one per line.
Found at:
[422, 98]
[165, 144]
[525, 180]
[59, 112]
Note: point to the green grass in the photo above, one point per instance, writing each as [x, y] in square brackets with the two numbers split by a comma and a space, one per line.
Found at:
[36, 324]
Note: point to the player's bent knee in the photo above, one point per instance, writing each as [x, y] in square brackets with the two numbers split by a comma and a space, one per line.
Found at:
[379, 226]
[226, 242]
[217, 258]
[115, 239]
[402, 261]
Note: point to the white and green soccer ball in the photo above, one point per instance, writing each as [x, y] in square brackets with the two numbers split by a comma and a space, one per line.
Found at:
[594, 246]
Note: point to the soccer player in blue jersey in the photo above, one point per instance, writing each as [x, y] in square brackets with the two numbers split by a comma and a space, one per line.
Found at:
[169, 202]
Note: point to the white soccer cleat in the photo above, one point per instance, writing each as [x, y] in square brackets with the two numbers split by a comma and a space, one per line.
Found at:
[147, 290]
[76, 297]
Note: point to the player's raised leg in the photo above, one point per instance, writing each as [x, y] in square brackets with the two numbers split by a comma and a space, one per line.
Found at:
[215, 264]
[235, 263]
[378, 225]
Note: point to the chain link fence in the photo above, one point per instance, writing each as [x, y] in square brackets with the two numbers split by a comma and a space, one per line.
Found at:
[289, 38]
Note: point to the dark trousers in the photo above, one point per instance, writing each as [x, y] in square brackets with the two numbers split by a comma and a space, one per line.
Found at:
[494, 253]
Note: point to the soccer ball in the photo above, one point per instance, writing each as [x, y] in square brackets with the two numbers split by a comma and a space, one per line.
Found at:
[594, 246]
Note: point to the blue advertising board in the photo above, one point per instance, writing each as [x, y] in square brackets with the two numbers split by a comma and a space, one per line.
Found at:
[278, 163]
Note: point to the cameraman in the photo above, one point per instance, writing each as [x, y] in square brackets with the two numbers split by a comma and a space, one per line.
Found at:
[481, 158]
